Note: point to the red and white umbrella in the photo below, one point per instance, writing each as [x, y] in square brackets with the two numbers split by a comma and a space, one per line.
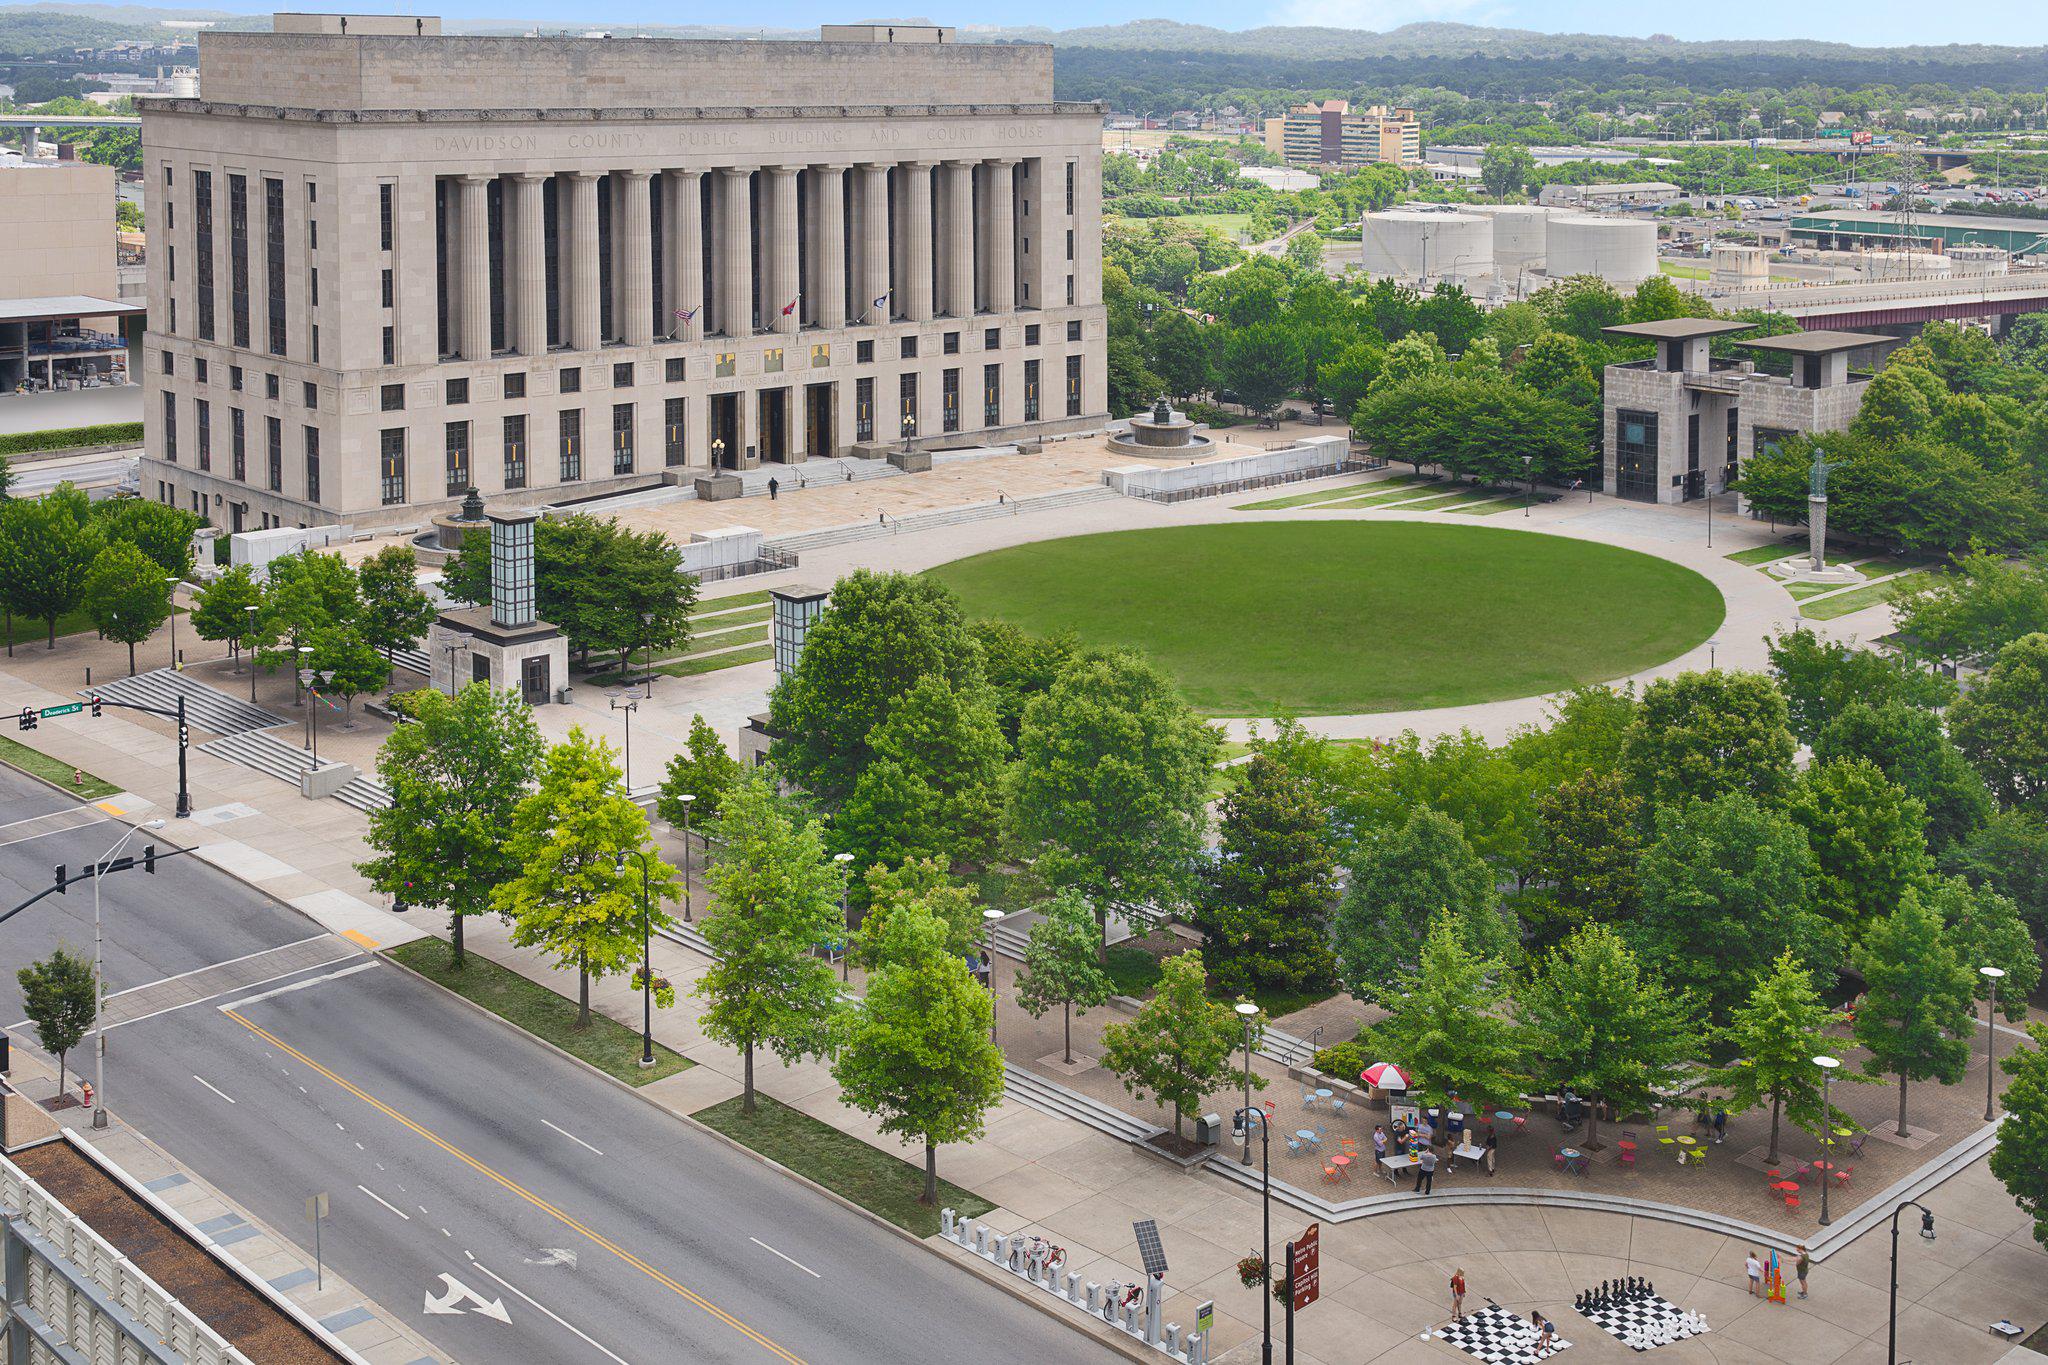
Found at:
[1385, 1076]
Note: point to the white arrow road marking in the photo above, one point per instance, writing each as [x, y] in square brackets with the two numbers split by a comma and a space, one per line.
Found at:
[458, 1292]
[554, 1256]
[571, 1136]
[583, 1336]
[385, 1202]
[791, 1259]
[215, 1089]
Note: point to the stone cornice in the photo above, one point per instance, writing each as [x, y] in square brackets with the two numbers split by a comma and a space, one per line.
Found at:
[287, 114]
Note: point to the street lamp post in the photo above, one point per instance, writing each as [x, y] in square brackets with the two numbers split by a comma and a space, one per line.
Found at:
[1713, 652]
[1827, 1067]
[629, 704]
[1992, 975]
[305, 679]
[1247, 1011]
[991, 917]
[251, 612]
[99, 984]
[646, 963]
[688, 799]
[1245, 1118]
[1529, 473]
[1891, 1354]
[845, 919]
[647, 639]
[172, 581]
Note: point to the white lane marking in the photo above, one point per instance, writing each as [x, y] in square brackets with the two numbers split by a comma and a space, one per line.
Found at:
[385, 1202]
[297, 985]
[458, 1292]
[261, 952]
[215, 1089]
[48, 814]
[791, 1259]
[571, 1136]
[25, 838]
[545, 1309]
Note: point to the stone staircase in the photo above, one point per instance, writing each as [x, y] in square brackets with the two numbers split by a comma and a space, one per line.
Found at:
[206, 707]
[268, 754]
[415, 659]
[1036, 1092]
[828, 536]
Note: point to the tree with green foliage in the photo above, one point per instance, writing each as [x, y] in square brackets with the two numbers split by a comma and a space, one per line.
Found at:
[161, 531]
[1180, 354]
[1131, 386]
[1260, 365]
[1504, 168]
[924, 884]
[934, 787]
[1265, 910]
[1868, 839]
[1774, 1036]
[2008, 854]
[705, 771]
[309, 594]
[1984, 929]
[1448, 1026]
[774, 897]
[1822, 678]
[126, 596]
[867, 649]
[47, 549]
[1603, 1028]
[1909, 746]
[1702, 735]
[1400, 883]
[1725, 889]
[590, 879]
[395, 613]
[1060, 967]
[456, 773]
[349, 664]
[1449, 316]
[1588, 843]
[916, 1052]
[1981, 605]
[1915, 1017]
[60, 996]
[1177, 1049]
[221, 609]
[2001, 724]
[1019, 666]
[1110, 783]
[1304, 250]
[1345, 380]
[2020, 1160]
[1418, 355]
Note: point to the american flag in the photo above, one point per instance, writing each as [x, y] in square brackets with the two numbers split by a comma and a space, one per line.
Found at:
[685, 314]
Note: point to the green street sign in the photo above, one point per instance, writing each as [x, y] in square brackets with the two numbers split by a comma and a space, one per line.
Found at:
[68, 709]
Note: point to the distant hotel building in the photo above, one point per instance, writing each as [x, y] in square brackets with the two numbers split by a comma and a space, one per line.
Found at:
[1332, 134]
[388, 265]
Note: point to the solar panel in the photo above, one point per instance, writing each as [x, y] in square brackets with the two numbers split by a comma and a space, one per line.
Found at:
[1149, 1249]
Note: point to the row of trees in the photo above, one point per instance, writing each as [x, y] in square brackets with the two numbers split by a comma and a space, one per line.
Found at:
[114, 560]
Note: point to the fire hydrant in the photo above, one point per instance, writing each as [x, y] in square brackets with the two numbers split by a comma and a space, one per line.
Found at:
[78, 778]
[85, 1092]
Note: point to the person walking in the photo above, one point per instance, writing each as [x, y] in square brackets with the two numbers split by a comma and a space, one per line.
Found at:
[773, 488]
[1799, 1269]
[1720, 1124]
[1425, 1172]
[1492, 1150]
[1458, 1293]
[1755, 1270]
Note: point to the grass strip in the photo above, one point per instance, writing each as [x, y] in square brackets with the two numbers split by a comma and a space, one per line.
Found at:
[712, 606]
[1513, 504]
[34, 632]
[605, 1043]
[1765, 554]
[878, 1181]
[1325, 494]
[1842, 603]
[1806, 590]
[40, 764]
[1885, 568]
[1458, 499]
[1133, 971]
[726, 639]
[1382, 499]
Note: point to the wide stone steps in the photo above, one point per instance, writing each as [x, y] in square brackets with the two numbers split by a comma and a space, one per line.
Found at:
[269, 754]
[945, 516]
[206, 707]
[415, 659]
[1036, 1092]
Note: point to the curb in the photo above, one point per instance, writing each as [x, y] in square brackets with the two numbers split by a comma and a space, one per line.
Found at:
[57, 787]
[1019, 1292]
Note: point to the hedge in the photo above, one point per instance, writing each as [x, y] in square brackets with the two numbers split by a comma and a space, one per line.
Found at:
[64, 438]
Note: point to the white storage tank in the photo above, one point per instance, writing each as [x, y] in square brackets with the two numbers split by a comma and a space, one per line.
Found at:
[1414, 244]
[1740, 267]
[1519, 241]
[1979, 260]
[1618, 250]
[1904, 265]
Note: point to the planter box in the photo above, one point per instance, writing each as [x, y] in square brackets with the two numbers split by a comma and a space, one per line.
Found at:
[719, 487]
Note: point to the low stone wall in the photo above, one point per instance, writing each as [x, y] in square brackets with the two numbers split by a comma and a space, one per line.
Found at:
[1173, 482]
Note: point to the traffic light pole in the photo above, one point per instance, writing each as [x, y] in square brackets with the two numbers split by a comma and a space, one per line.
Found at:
[31, 715]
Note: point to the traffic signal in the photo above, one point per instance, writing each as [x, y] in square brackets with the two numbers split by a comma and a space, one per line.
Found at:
[28, 718]
[60, 879]
[149, 859]
[95, 705]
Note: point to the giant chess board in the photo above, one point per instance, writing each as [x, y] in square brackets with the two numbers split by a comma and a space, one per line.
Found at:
[1499, 1337]
[1637, 1316]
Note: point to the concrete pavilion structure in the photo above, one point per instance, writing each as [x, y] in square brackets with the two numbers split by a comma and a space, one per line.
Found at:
[396, 264]
[1679, 423]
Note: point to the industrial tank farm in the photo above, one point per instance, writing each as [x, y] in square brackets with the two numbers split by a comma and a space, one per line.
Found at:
[1619, 250]
[1415, 244]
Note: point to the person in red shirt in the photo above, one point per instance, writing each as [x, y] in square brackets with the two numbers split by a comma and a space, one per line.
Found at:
[1458, 1293]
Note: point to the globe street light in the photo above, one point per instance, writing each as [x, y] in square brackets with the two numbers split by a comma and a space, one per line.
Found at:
[1247, 1012]
[1827, 1067]
[1992, 976]
[688, 799]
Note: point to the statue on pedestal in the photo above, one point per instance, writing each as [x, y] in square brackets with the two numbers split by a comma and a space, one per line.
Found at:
[1817, 510]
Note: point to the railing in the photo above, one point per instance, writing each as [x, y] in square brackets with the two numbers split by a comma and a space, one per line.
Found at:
[1217, 490]
[767, 560]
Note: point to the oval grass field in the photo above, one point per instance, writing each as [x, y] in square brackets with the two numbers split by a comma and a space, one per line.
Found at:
[1335, 618]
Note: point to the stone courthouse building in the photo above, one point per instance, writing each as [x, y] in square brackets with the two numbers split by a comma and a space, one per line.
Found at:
[395, 264]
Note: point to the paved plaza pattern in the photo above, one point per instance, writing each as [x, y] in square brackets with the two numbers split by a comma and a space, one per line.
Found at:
[1385, 1271]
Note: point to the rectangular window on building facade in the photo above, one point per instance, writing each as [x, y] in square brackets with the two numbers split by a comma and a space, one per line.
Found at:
[388, 284]
[270, 389]
[907, 348]
[238, 443]
[384, 215]
[309, 394]
[1031, 334]
[1765, 439]
[863, 352]
[1073, 169]
[273, 435]
[234, 378]
[1074, 331]
[202, 248]
[864, 408]
[572, 380]
[199, 369]
[1073, 386]
[622, 374]
[605, 218]
[1070, 289]
[457, 443]
[392, 397]
[672, 369]
[949, 400]
[515, 451]
[171, 427]
[992, 339]
[171, 259]
[390, 346]
[673, 426]
[494, 232]
[273, 261]
[551, 255]
[515, 386]
[1635, 455]
[238, 258]
[458, 391]
[202, 411]
[444, 272]
[313, 347]
[312, 464]
[1070, 244]
[622, 438]
[1031, 391]
[391, 466]
[991, 395]
[906, 401]
[169, 363]
[570, 424]
[950, 343]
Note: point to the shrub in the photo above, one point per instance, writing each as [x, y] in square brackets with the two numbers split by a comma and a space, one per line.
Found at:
[1342, 1060]
[64, 438]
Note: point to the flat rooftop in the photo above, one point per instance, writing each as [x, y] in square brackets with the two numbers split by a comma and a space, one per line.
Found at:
[1877, 218]
[1677, 329]
[56, 307]
[1822, 342]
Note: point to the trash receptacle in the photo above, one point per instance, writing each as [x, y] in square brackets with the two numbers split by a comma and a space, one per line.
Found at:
[1209, 1129]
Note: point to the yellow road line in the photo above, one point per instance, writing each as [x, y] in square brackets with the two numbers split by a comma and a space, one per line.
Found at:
[515, 1187]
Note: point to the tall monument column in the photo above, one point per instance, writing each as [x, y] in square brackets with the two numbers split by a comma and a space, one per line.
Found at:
[871, 300]
[781, 275]
[735, 256]
[828, 248]
[1002, 236]
[956, 210]
[914, 291]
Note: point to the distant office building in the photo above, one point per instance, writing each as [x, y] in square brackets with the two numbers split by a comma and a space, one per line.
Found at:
[1331, 133]
[59, 290]
[1627, 194]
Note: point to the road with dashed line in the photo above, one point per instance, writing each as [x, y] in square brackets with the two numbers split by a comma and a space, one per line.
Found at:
[502, 1200]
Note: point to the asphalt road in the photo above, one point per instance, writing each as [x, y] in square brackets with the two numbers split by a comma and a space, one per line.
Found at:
[557, 1218]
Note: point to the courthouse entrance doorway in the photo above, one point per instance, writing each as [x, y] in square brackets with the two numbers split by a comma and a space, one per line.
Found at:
[819, 439]
[724, 441]
[775, 425]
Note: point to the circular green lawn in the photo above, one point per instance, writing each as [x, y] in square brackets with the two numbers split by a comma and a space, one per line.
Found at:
[1332, 618]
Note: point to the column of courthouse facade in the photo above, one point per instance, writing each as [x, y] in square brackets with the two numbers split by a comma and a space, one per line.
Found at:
[390, 265]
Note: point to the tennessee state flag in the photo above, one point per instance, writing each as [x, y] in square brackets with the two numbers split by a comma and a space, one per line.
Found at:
[789, 307]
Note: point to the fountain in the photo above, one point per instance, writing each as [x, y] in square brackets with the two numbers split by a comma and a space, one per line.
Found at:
[449, 528]
[1162, 435]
